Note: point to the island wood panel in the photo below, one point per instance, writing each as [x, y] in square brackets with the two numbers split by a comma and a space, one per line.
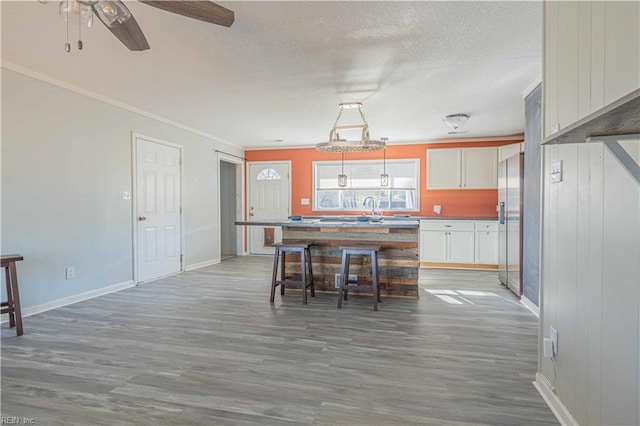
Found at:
[398, 261]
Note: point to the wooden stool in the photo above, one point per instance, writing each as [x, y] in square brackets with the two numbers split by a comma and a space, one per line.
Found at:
[346, 284]
[12, 305]
[305, 262]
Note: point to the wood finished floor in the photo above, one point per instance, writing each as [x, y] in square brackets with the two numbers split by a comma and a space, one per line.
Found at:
[206, 347]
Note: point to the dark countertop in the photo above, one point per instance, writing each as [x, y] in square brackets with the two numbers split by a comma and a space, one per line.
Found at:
[331, 223]
[403, 217]
[456, 218]
[396, 221]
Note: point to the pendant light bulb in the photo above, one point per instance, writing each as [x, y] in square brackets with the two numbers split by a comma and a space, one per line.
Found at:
[384, 177]
[342, 178]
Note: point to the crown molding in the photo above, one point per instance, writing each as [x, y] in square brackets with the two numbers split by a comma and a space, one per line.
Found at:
[68, 86]
[513, 138]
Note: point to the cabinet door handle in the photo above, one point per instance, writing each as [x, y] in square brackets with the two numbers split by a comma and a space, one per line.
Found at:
[448, 226]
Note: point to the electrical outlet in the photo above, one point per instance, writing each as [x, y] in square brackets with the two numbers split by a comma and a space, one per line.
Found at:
[70, 272]
[553, 334]
[304, 201]
[437, 209]
[352, 277]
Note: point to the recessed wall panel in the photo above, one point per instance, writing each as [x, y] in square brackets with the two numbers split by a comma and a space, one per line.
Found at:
[170, 238]
[150, 192]
[150, 238]
[170, 202]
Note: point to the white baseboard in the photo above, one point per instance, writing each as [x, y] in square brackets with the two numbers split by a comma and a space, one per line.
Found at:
[201, 264]
[530, 305]
[37, 309]
[557, 407]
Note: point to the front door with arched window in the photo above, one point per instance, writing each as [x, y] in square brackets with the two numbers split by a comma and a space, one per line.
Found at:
[269, 199]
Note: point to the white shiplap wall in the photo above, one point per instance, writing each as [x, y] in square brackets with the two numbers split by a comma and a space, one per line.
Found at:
[591, 283]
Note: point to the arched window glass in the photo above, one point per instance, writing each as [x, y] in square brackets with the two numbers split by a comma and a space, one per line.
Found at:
[268, 174]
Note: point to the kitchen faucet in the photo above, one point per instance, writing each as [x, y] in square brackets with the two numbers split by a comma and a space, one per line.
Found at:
[371, 203]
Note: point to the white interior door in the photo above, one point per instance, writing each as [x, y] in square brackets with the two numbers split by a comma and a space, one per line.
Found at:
[269, 199]
[158, 205]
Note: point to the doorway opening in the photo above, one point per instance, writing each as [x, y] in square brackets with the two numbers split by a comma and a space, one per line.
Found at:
[230, 206]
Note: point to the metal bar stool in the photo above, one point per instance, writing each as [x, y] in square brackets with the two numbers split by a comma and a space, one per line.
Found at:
[346, 284]
[12, 305]
[305, 263]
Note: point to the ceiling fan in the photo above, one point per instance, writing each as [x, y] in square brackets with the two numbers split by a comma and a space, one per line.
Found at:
[119, 20]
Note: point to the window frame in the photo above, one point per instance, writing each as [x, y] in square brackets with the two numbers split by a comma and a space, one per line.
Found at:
[315, 189]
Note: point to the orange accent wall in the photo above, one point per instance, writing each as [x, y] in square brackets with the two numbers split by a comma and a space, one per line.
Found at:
[458, 203]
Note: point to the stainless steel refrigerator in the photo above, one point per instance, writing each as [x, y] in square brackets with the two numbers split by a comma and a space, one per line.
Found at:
[510, 186]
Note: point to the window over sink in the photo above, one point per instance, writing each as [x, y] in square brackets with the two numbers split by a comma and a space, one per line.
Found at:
[363, 190]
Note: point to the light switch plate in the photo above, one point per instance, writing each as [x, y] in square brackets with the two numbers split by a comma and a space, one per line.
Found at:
[126, 195]
[304, 201]
[556, 171]
[437, 209]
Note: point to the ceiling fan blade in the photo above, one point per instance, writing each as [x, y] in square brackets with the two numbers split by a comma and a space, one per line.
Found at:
[117, 18]
[206, 11]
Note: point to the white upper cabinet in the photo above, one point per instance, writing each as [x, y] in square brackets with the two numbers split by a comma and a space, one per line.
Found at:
[506, 151]
[444, 168]
[591, 58]
[462, 168]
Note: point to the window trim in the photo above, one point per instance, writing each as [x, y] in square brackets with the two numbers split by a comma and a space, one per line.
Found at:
[314, 188]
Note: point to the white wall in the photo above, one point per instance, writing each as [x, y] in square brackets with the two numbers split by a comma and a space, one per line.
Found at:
[591, 283]
[66, 158]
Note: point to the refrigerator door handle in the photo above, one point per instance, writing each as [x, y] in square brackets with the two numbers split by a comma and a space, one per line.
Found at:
[502, 213]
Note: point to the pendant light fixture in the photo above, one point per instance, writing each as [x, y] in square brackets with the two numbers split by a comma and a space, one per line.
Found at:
[384, 177]
[342, 178]
[336, 144]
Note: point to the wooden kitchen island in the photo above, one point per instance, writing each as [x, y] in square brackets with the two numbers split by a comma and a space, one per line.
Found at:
[398, 261]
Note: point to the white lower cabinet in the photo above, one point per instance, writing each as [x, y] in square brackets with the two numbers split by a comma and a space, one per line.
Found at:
[446, 241]
[460, 247]
[459, 241]
[433, 246]
[487, 243]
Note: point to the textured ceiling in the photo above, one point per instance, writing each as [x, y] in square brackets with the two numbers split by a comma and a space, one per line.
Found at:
[280, 71]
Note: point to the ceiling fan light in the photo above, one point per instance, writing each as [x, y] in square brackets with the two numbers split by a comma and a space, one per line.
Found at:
[71, 9]
[112, 12]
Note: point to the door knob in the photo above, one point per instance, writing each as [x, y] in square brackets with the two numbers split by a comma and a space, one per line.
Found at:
[251, 214]
[142, 218]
